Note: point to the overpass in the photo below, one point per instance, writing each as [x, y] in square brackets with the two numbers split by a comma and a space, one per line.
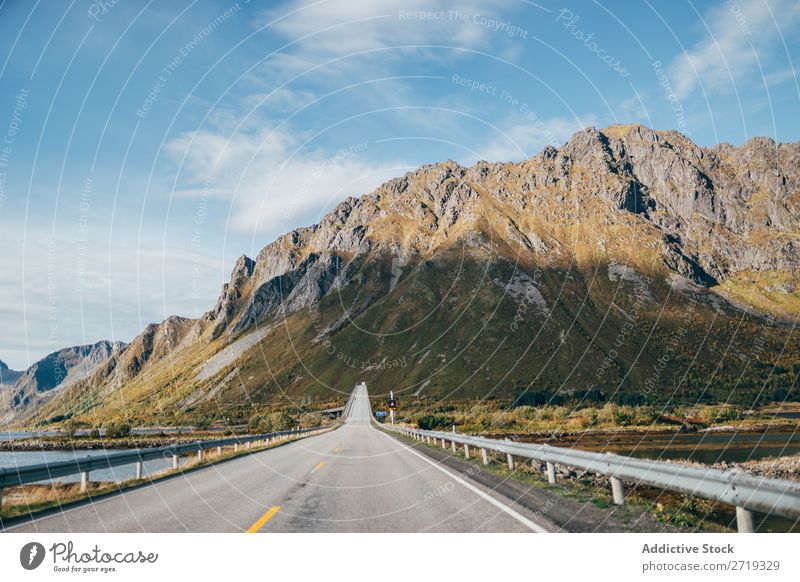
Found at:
[360, 478]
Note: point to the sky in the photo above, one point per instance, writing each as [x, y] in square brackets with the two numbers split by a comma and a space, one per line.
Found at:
[145, 146]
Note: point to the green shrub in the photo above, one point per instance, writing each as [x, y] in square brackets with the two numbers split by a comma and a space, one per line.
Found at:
[281, 420]
[646, 415]
[310, 420]
[525, 412]
[259, 423]
[115, 430]
[725, 414]
[435, 422]
[623, 416]
[503, 419]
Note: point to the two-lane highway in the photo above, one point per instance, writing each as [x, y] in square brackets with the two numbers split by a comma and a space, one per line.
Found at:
[353, 479]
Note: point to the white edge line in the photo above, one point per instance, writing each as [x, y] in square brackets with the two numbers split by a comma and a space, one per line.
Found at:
[520, 518]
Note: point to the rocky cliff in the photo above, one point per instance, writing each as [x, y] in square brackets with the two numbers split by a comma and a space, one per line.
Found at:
[58, 370]
[573, 272]
[7, 375]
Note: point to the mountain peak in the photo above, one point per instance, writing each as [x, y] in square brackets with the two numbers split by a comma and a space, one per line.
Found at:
[643, 204]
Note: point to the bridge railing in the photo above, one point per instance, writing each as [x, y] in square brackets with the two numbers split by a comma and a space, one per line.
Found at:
[11, 476]
[747, 493]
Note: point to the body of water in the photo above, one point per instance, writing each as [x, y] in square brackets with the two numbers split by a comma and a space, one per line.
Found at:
[707, 448]
[710, 448]
[13, 459]
[12, 436]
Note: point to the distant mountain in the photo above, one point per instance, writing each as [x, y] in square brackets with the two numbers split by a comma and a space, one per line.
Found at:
[628, 264]
[7, 375]
[42, 381]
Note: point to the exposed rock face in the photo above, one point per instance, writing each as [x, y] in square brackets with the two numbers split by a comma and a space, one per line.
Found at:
[8, 376]
[714, 212]
[642, 203]
[59, 370]
[231, 294]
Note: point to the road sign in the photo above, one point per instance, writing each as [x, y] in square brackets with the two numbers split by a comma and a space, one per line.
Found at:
[392, 406]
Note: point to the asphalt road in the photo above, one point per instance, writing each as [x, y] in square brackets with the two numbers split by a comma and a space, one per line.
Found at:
[353, 479]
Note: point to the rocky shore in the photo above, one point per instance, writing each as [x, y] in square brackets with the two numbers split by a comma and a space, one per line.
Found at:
[775, 467]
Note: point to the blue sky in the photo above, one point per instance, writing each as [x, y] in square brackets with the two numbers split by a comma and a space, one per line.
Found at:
[147, 145]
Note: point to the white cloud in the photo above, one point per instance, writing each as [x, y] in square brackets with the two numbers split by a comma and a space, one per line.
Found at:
[274, 183]
[340, 27]
[526, 135]
[742, 33]
[321, 31]
[67, 293]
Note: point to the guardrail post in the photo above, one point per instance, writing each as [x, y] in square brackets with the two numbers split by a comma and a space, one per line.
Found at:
[444, 443]
[84, 481]
[200, 455]
[454, 446]
[139, 469]
[249, 445]
[485, 456]
[618, 491]
[466, 451]
[509, 457]
[1, 497]
[235, 447]
[174, 461]
[744, 520]
[219, 450]
[551, 472]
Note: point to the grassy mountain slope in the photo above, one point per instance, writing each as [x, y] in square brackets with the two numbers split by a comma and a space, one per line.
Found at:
[628, 264]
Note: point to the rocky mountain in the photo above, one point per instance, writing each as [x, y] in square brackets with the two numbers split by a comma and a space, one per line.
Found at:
[628, 264]
[7, 375]
[38, 384]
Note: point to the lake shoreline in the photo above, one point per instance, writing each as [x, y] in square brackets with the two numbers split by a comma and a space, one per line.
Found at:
[648, 431]
[56, 444]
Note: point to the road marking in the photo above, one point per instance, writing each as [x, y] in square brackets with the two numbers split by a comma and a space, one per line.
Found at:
[264, 519]
[519, 517]
[336, 450]
[318, 467]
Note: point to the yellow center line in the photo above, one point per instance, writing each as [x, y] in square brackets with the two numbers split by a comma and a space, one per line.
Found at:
[318, 467]
[264, 519]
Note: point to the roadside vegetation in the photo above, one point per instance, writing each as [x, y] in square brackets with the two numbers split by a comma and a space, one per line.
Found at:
[512, 417]
[117, 432]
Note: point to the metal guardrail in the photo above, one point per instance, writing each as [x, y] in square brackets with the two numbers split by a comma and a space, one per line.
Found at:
[11, 476]
[349, 404]
[747, 493]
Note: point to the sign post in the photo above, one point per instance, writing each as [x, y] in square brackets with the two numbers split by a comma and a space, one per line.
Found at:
[392, 407]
